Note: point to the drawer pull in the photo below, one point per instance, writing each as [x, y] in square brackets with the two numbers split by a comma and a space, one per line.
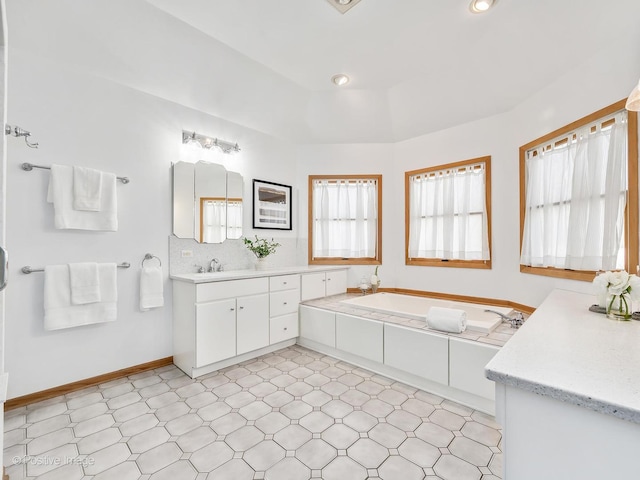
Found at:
[285, 329]
[285, 303]
[284, 283]
[241, 308]
[232, 309]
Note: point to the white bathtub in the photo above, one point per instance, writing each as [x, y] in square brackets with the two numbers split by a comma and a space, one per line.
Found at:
[417, 308]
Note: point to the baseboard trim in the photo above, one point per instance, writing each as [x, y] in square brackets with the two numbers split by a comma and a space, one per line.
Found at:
[80, 384]
[454, 297]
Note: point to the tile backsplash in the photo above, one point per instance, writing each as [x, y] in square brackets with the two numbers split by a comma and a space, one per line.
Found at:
[232, 254]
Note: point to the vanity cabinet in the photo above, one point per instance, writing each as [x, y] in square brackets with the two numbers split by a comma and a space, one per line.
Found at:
[420, 353]
[466, 367]
[215, 332]
[284, 298]
[323, 284]
[252, 323]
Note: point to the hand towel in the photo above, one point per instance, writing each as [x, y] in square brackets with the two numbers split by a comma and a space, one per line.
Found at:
[85, 286]
[447, 319]
[87, 189]
[151, 288]
[61, 195]
[60, 313]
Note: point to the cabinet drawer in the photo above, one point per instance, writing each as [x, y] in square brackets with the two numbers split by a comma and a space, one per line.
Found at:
[206, 292]
[283, 328]
[281, 303]
[284, 282]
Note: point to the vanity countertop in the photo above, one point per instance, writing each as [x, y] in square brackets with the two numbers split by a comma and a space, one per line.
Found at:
[568, 353]
[252, 273]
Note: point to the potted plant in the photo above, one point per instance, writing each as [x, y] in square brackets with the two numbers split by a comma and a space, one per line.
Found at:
[261, 248]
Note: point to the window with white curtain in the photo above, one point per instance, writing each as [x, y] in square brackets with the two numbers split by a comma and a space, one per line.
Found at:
[214, 220]
[345, 219]
[575, 207]
[448, 219]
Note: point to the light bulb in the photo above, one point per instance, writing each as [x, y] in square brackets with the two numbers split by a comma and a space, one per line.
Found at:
[340, 79]
[480, 6]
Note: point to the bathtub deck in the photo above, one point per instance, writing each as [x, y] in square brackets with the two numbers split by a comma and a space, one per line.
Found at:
[417, 307]
[499, 336]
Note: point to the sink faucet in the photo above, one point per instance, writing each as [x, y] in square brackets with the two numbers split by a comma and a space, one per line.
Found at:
[516, 322]
[215, 265]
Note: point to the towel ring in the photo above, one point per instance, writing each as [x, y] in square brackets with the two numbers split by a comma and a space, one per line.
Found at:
[149, 256]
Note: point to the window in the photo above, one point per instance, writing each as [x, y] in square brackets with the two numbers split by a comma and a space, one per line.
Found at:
[448, 215]
[345, 221]
[579, 197]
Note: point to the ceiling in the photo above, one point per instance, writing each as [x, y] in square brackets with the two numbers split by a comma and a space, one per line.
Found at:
[416, 66]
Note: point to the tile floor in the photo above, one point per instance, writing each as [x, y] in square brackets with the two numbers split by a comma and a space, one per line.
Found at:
[293, 414]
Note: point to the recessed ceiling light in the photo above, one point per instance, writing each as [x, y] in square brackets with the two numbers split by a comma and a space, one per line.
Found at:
[340, 79]
[344, 2]
[343, 5]
[480, 6]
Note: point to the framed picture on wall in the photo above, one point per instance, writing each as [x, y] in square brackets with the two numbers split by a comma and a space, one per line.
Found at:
[271, 205]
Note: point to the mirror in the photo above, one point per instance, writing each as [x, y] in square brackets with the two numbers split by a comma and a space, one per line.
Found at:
[207, 202]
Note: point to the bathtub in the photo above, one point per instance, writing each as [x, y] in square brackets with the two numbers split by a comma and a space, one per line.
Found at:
[417, 307]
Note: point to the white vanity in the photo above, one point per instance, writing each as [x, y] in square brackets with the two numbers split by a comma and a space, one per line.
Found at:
[568, 394]
[223, 318]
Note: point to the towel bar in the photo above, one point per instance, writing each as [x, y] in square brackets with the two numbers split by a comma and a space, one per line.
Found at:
[27, 167]
[29, 269]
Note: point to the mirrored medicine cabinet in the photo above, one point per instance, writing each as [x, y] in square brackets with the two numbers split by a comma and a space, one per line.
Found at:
[207, 202]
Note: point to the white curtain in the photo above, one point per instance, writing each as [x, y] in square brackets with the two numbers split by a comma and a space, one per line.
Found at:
[448, 218]
[214, 221]
[345, 218]
[234, 219]
[575, 200]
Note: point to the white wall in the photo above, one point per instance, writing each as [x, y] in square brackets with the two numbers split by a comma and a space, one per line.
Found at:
[606, 78]
[84, 120]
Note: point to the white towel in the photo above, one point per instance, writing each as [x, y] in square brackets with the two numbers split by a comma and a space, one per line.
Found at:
[85, 286]
[58, 310]
[87, 189]
[151, 288]
[61, 195]
[447, 319]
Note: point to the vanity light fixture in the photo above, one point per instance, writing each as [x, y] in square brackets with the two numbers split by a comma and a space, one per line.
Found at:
[340, 79]
[633, 102]
[202, 141]
[480, 6]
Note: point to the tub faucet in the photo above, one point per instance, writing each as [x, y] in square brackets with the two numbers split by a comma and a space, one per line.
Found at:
[215, 265]
[516, 322]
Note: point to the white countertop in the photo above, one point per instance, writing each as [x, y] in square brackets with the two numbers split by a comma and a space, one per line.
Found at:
[573, 355]
[252, 273]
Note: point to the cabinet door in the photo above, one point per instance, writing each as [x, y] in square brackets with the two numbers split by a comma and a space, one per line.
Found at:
[466, 367]
[420, 353]
[283, 327]
[336, 282]
[312, 285]
[318, 325]
[360, 336]
[215, 331]
[252, 322]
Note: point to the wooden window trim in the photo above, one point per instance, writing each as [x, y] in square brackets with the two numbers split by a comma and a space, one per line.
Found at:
[437, 262]
[631, 211]
[377, 260]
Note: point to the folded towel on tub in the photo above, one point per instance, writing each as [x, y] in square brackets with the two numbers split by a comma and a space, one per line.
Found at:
[84, 283]
[450, 320]
[60, 313]
[151, 288]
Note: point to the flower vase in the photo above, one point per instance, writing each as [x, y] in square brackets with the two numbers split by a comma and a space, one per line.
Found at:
[619, 306]
[262, 263]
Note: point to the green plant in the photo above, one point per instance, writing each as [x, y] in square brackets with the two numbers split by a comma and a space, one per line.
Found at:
[261, 247]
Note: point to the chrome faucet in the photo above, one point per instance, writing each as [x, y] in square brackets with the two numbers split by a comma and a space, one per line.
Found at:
[516, 322]
[215, 265]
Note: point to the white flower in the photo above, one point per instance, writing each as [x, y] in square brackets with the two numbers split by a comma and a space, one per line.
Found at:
[374, 280]
[601, 284]
[618, 282]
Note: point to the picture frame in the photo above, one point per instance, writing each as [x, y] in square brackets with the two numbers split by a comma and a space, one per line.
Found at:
[271, 205]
